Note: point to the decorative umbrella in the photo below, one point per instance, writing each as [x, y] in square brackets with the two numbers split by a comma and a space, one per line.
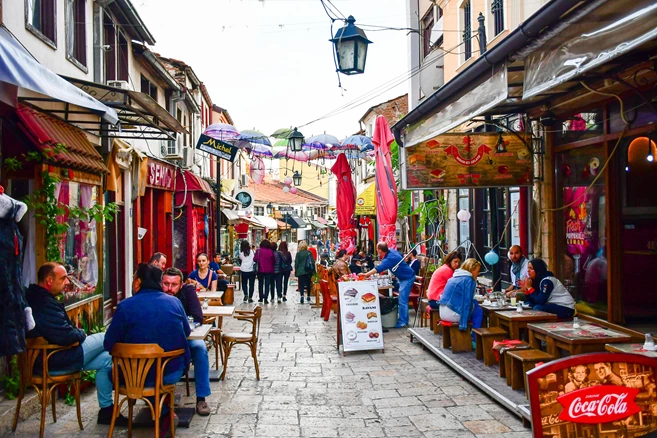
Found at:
[288, 154]
[345, 203]
[257, 170]
[322, 141]
[282, 133]
[386, 187]
[253, 136]
[222, 131]
[358, 142]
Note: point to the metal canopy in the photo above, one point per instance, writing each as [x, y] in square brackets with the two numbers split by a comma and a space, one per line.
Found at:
[140, 117]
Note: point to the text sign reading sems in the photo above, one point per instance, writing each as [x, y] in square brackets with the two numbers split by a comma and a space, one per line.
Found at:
[218, 148]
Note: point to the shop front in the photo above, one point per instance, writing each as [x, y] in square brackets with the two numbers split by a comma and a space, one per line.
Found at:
[366, 216]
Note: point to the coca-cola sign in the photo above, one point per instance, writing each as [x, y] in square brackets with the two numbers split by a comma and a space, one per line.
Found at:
[598, 404]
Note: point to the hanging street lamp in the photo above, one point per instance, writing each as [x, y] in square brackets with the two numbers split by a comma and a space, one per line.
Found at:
[350, 45]
[297, 178]
[295, 140]
[270, 208]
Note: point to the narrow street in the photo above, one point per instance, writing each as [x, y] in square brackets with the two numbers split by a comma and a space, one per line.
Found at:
[307, 389]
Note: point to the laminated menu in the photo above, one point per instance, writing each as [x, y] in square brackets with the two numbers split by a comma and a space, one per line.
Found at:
[360, 316]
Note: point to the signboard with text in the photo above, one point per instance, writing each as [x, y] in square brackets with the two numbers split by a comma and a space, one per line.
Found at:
[360, 316]
[160, 175]
[218, 148]
[467, 161]
[600, 394]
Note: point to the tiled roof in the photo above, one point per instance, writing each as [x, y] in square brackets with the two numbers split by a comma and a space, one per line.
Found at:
[272, 191]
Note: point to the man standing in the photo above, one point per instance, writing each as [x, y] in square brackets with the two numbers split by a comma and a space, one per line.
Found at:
[159, 260]
[172, 284]
[54, 325]
[518, 272]
[392, 260]
[152, 317]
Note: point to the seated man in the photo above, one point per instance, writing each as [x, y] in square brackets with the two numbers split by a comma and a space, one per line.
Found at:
[54, 325]
[159, 260]
[152, 317]
[518, 271]
[172, 284]
[215, 265]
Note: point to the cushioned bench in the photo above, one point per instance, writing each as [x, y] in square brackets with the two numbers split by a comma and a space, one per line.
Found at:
[484, 338]
[459, 341]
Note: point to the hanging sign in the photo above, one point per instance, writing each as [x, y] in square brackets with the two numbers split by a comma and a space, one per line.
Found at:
[218, 148]
[246, 199]
[467, 160]
[611, 394]
[360, 316]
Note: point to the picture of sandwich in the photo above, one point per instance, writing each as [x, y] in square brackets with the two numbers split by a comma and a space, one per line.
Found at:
[371, 315]
[417, 159]
[432, 144]
[350, 317]
[351, 293]
[437, 173]
[368, 297]
[361, 325]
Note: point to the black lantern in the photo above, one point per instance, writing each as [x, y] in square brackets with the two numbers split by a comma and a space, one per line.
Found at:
[295, 140]
[350, 48]
[270, 208]
[296, 178]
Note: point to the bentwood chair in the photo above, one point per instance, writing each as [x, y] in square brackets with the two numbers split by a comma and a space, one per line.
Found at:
[132, 362]
[46, 382]
[230, 339]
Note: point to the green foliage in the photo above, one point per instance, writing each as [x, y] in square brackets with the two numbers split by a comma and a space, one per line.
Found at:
[12, 380]
[86, 376]
[12, 164]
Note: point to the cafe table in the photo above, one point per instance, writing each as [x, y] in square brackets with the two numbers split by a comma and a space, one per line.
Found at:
[630, 348]
[490, 319]
[512, 321]
[587, 338]
[210, 295]
[199, 333]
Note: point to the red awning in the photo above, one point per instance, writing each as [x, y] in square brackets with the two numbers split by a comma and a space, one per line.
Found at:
[46, 131]
[193, 183]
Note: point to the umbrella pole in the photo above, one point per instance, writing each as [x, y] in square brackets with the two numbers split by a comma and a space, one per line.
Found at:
[218, 205]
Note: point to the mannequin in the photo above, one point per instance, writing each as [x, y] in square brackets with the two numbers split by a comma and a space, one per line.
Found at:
[7, 203]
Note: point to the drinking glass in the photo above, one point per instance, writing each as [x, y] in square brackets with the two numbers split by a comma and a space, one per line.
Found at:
[513, 301]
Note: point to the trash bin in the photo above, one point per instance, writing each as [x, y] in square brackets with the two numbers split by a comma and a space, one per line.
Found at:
[389, 307]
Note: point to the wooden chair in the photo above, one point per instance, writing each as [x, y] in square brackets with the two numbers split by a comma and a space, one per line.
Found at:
[333, 292]
[46, 382]
[230, 339]
[135, 361]
[327, 300]
[484, 338]
[417, 292]
[434, 320]
[459, 341]
[522, 361]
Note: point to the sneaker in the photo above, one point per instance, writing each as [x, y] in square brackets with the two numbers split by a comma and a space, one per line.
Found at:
[202, 408]
[284, 299]
[279, 301]
[301, 300]
[308, 300]
[245, 299]
[250, 300]
[266, 302]
[105, 417]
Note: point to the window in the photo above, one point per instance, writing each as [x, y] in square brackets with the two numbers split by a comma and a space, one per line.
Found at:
[467, 30]
[497, 8]
[427, 27]
[116, 52]
[464, 204]
[40, 18]
[76, 32]
[122, 61]
[148, 87]
[259, 211]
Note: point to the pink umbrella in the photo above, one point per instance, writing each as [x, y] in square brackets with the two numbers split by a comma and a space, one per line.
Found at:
[346, 203]
[386, 188]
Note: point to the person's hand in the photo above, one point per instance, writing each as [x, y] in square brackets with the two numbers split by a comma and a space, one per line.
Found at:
[510, 293]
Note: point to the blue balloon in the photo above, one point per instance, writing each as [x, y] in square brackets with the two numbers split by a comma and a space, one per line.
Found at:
[492, 258]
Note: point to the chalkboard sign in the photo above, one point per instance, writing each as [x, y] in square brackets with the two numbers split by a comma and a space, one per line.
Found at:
[360, 316]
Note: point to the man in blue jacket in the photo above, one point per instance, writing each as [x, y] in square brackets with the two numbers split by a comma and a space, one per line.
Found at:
[54, 325]
[393, 260]
[152, 317]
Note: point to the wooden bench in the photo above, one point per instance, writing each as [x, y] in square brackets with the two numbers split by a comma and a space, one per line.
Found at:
[503, 366]
[459, 341]
[484, 338]
[522, 361]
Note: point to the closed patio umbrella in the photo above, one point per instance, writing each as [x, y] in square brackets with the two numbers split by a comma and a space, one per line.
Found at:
[386, 187]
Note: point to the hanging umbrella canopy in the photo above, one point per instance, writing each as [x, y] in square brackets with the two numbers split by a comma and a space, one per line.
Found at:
[358, 142]
[253, 136]
[222, 131]
[322, 141]
[287, 154]
[282, 133]
[386, 187]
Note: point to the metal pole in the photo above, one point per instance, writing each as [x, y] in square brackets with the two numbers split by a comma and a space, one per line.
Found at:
[494, 235]
[218, 205]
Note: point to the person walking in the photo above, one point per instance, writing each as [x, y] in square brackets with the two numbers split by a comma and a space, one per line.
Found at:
[247, 270]
[304, 268]
[286, 267]
[264, 257]
[277, 278]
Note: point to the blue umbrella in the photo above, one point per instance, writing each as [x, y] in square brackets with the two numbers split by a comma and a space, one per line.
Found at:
[253, 136]
[360, 142]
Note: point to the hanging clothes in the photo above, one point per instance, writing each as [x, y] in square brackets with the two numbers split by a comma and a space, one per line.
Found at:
[12, 295]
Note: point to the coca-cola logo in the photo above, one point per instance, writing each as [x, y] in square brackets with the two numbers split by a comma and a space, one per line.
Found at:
[598, 404]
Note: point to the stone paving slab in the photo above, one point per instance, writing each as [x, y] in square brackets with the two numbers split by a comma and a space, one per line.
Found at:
[309, 389]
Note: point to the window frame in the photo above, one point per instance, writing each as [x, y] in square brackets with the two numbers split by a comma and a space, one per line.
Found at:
[151, 87]
[427, 24]
[39, 33]
[498, 19]
[76, 53]
[465, 10]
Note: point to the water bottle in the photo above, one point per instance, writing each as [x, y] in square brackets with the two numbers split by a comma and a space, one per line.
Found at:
[649, 344]
[576, 323]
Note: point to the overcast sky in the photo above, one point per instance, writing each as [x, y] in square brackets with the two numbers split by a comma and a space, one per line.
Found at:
[269, 62]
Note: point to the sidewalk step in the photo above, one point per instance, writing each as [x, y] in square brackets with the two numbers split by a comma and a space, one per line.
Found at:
[29, 406]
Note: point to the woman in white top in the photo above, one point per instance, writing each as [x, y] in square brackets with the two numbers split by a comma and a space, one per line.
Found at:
[247, 271]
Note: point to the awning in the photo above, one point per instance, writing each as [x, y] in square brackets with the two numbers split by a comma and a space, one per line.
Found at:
[317, 225]
[366, 201]
[139, 115]
[234, 217]
[295, 222]
[19, 68]
[268, 222]
[47, 132]
[322, 221]
[191, 182]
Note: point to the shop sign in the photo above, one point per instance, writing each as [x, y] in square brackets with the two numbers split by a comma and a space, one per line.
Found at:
[288, 209]
[567, 396]
[360, 316]
[467, 161]
[366, 201]
[218, 148]
[160, 175]
[245, 198]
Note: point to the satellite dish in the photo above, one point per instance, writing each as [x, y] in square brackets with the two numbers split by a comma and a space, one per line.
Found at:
[432, 75]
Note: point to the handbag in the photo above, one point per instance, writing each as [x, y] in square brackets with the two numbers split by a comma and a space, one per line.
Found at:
[310, 264]
[255, 262]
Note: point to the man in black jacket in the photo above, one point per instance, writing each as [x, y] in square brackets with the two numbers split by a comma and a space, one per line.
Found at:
[172, 284]
[54, 325]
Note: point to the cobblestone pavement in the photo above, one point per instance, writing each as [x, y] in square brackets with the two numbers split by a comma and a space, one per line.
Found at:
[307, 389]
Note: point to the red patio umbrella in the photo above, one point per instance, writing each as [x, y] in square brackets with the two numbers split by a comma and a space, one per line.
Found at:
[386, 187]
[345, 203]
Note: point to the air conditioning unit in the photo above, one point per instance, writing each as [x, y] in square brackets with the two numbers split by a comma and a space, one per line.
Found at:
[244, 180]
[124, 85]
[174, 148]
[188, 157]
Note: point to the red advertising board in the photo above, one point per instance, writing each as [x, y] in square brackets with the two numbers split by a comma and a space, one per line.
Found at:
[609, 395]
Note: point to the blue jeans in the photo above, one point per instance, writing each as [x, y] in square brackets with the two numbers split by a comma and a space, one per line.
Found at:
[201, 363]
[405, 287]
[96, 358]
[561, 311]
[169, 379]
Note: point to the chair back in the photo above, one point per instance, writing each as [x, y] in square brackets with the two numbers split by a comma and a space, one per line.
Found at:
[28, 358]
[135, 361]
[253, 317]
[324, 287]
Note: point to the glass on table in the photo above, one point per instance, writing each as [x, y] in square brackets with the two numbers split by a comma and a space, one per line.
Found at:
[190, 320]
[513, 301]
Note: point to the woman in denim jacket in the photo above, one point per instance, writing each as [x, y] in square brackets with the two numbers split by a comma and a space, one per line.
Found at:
[457, 302]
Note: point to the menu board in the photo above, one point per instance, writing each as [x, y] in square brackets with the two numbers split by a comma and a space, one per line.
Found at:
[360, 316]
[467, 160]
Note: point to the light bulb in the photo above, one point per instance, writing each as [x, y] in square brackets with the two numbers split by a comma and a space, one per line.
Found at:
[627, 168]
[650, 158]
